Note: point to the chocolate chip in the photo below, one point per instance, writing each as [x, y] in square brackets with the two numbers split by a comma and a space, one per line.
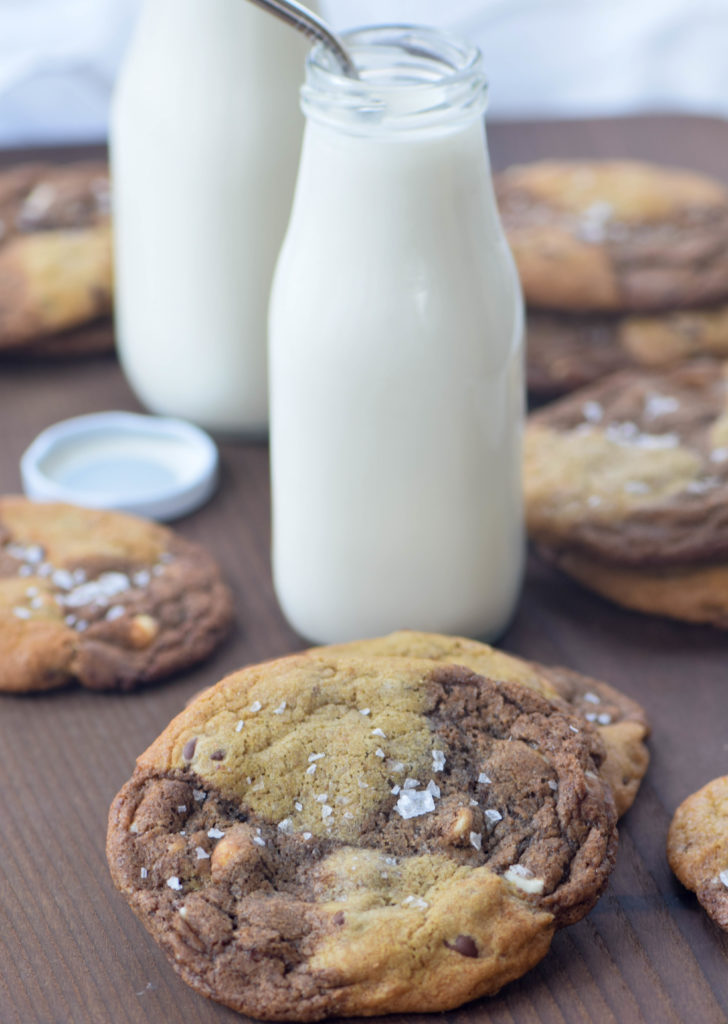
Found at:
[188, 750]
[217, 755]
[339, 917]
[464, 945]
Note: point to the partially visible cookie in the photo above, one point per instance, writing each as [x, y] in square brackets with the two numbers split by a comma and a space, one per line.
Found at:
[565, 352]
[323, 836]
[101, 598]
[613, 236]
[697, 847]
[634, 470]
[55, 250]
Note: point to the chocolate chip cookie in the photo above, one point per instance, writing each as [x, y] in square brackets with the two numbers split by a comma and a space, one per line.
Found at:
[325, 836]
[626, 488]
[565, 352]
[615, 236]
[621, 722]
[55, 251]
[101, 598]
[697, 847]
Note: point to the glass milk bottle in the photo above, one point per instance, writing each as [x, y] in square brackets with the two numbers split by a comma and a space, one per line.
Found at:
[205, 140]
[396, 376]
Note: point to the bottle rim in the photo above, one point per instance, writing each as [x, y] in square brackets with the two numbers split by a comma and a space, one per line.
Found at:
[410, 77]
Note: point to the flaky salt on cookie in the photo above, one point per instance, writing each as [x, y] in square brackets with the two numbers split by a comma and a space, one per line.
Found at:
[620, 721]
[324, 835]
[101, 598]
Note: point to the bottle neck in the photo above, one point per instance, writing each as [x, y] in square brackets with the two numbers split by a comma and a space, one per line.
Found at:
[412, 81]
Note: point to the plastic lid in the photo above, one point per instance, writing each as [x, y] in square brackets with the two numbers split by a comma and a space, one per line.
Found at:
[147, 465]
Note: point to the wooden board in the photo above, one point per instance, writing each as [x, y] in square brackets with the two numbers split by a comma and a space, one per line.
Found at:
[71, 952]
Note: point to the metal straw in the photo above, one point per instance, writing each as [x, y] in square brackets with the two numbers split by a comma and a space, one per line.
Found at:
[305, 21]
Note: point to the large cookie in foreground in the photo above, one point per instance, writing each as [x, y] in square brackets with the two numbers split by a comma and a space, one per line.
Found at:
[633, 471]
[567, 352]
[613, 236]
[697, 847]
[101, 598]
[321, 836]
[620, 721]
[55, 251]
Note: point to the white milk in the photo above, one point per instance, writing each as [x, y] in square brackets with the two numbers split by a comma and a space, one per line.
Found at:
[205, 140]
[396, 361]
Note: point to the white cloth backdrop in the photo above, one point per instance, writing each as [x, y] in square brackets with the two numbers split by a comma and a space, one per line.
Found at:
[58, 58]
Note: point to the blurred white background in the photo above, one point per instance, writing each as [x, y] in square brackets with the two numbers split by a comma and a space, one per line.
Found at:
[58, 58]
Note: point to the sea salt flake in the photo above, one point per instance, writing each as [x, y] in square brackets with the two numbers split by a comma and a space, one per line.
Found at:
[36, 603]
[659, 405]
[62, 578]
[115, 612]
[365, 711]
[573, 728]
[592, 698]
[379, 732]
[81, 625]
[256, 706]
[604, 719]
[348, 814]
[411, 783]
[285, 826]
[379, 752]
[438, 760]
[322, 798]
[553, 784]
[592, 412]
[412, 804]
[141, 578]
[591, 716]
[484, 779]
[33, 554]
[723, 876]
[143, 873]
[315, 757]
[298, 805]
[306, 835]
[25, 570]
[181, 808]
[239, 726]
[476, 840]
[174, 883]
[523, 878]
[719, 455]
[473, 803]
[215, 833]
[202, 854]
[280, 709]
[199, 795]
[395, 790]
[259, 841]
[636, 487]
[432, 787]
[416, 902]
[21, 613]
[311, 769]
[327, 811]
[362, 784]
[493, 816]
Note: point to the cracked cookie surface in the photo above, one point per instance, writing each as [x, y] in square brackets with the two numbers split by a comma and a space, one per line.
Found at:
[615, 236]
[325, 835]
[697, 847]
[620, 721]
[101, 598]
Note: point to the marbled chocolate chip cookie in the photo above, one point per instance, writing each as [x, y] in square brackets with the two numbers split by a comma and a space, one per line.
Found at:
[615, 236]
[626, 487]
[325, 836]
[55, 251]
[101, 598]
[621, 722]
[697, 847]
[567, 352]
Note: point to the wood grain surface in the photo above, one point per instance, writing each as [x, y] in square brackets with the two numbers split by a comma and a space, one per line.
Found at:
[71, 952]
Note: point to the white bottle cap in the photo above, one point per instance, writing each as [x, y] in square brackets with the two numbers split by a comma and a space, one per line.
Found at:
[147, 465]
